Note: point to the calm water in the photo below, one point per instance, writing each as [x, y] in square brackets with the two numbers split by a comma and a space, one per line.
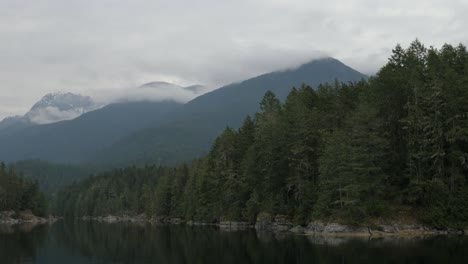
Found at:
[89, 242]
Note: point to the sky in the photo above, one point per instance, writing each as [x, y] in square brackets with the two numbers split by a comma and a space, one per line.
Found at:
[98, 47]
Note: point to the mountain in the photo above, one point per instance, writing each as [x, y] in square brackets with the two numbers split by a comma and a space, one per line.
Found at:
[167, 90]
[190, 130]
[13, 122]
[195, 89]
[53, 107]
[75, 140]
[139, 132]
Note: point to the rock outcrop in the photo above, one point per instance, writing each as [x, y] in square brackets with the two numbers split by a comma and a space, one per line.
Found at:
[335, 228]
[278, 223]
[381, 229]
[282, 224]
[115, 219]
[234, 225]
[23, 217]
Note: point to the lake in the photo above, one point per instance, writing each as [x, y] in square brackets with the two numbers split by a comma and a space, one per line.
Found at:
[92, 242]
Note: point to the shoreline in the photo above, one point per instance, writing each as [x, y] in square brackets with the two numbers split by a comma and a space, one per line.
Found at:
[280, 225]
[24, 217]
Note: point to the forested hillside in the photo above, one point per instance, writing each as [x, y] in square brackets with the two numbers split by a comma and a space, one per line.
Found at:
[52, 177]
[393, 146]
[17, 193]
[189, 132]
[73, 141]
[164, 132]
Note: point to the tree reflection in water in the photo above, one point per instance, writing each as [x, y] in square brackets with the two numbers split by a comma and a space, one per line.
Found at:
[146, 243]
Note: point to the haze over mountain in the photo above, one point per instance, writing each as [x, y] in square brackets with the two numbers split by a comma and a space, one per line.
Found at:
[53, 107]
[40, 133]
[74, 140]
[165, 86]
[139, 131]
[155, 91]
[193, 127]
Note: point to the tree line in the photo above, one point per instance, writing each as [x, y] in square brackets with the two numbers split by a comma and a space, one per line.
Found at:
[18, 193]
[395, 145]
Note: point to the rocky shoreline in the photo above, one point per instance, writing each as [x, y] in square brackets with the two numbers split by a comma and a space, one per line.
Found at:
[281, 224]
[24, 217]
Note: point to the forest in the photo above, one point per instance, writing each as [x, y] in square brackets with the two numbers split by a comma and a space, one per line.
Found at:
[392, 146]
[18, 193]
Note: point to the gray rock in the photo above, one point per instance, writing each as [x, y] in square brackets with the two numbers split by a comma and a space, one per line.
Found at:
[13, 218]
[297, 230]
[109, 219]
[281, 228]
[279, 223]
[234, 225]
[264, 222]
[176, 221]
[387, 228]
[336, 228]
[315, 227]
[319, 227]
[282, 224]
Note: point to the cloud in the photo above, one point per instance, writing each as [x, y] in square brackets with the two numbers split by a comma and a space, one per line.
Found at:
[153, 91]
[52, 114]
[87, 46]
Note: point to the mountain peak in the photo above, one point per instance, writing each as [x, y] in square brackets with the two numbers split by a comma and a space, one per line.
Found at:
[64, 101]
[53, 107]
[59, 106]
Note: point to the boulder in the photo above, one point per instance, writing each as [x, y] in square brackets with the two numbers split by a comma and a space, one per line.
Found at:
[282, 223]
[8, 217]
[335, 228]
[315, 227]
[28, 217]
[297, 230]
[264, 221]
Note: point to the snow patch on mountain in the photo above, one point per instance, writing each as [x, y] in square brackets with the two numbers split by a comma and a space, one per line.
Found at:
[60, 106]
[55, 107]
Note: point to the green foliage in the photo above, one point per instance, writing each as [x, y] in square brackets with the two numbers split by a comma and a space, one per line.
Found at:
[18, 193]
[120, 191]
[346, 151]
[51, 176]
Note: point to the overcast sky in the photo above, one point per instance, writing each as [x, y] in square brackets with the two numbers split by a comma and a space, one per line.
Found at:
[95, 46]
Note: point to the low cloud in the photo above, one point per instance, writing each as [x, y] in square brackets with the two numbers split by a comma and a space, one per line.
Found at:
[52, 114]
[154, 91]
[102, 47]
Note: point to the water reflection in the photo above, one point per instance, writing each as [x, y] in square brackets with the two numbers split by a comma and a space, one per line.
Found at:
[91, 242]
[19, 243]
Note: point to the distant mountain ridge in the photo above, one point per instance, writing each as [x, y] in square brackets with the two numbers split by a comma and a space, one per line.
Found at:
[52, 107]
[192, 128]
[75, 140]
[164, 132]
[59, 106]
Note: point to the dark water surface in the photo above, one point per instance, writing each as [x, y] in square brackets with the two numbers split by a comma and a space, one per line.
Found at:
[91, 242]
